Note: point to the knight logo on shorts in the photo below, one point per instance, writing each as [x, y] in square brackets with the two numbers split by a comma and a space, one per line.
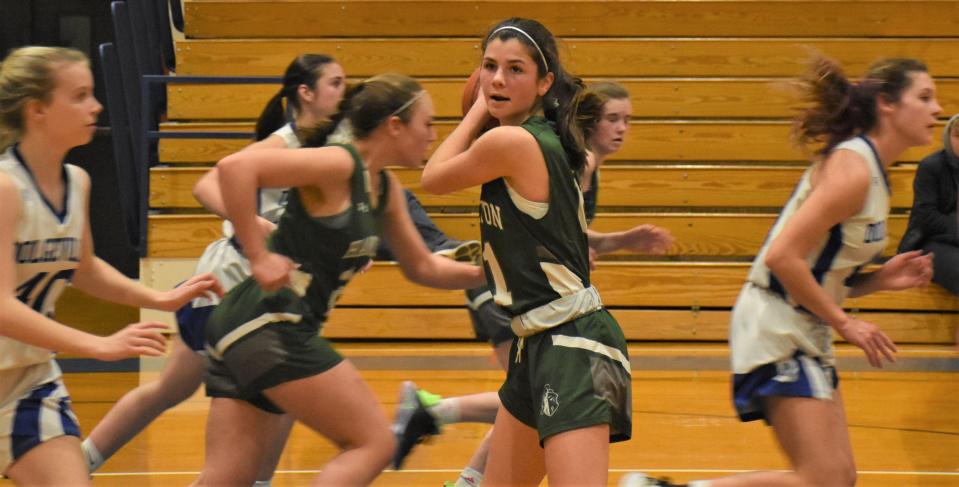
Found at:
[550, 401]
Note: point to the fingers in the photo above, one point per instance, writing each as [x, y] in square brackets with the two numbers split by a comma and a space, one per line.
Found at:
[877, 347]
[885, 346]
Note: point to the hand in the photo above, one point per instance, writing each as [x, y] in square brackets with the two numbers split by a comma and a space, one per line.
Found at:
[272, 271]
[870, 339]
[137, 339]
[647, 239]
[486, 121]
[195, 287]
[593, 257]
[906, 270]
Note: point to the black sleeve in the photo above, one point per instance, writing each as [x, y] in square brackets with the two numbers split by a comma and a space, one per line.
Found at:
[926, 202]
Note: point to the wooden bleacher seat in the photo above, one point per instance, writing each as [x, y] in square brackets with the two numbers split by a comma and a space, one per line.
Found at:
[708, 154]
[679, 141]
[674, 98]
[211, 19]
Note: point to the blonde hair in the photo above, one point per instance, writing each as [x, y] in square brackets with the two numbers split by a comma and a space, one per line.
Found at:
[28, 73]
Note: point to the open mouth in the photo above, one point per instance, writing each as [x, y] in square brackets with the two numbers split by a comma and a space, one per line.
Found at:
[498, 98]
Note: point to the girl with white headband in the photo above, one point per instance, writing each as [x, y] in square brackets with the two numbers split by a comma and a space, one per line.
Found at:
[568, 385]
[265, 355]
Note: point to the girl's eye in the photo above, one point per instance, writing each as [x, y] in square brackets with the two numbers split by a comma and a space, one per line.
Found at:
[516, 69]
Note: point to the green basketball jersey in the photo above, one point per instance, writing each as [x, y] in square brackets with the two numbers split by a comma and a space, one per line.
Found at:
[330, 251]
[535, 252]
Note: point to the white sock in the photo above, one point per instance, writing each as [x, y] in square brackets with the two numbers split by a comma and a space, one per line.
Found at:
[92, 455]
[469, 478]
[447, 411]
[263, 483]
[699, 483]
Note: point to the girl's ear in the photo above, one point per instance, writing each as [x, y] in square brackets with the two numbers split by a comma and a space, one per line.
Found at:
[33, 109]
[394, 125]
[545, 84]
[885, 104]
[305, 93]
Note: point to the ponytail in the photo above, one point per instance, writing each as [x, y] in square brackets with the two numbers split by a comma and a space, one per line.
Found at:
[840, 109]
[272, 117]
[305, 69]
[365, 106]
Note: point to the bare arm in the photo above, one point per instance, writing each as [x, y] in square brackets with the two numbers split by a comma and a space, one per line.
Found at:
[96, 277]
[207, 188]
[241, 173]
[416, 261]
[463, 160]
[904, 271]
[22, 323]
[640, 239]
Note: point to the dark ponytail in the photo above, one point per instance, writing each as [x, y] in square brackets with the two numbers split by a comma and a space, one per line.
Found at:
[839, 109]
[560, 102]
[306, 69]
[366, 105]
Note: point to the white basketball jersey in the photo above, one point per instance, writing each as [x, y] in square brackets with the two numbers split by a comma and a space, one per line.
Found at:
[47, 249]
[767, 324]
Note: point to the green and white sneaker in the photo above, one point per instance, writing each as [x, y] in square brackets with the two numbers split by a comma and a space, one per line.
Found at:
[413, 423]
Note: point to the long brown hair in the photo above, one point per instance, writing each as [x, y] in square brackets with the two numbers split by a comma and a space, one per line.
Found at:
[560, 102]
[839, 108]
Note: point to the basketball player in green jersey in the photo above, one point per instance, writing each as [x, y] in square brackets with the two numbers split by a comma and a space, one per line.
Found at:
[568, 385]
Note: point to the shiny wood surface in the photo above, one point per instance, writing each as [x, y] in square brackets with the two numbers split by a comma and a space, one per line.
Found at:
[903, 425]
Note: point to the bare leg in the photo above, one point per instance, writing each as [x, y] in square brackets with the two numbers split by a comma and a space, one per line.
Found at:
[234, 442]
[180, 378]
[62, 453]
[339, 405]
[478, 461]
[578, 457]
[515, 458]
[814, 435]
[275, 441]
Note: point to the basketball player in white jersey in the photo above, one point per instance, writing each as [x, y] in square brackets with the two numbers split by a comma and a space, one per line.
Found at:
[830, 229]
[47, 107]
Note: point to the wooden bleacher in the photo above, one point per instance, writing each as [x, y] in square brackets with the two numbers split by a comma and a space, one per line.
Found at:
[708, 154]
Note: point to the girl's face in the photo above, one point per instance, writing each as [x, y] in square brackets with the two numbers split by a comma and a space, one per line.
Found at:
[415, 136]
[914, 116]
[610, 132]
[323, 98]
[510, 81]
[69, 116]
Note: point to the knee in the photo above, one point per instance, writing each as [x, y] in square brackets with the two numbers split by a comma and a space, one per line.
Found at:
[379, 447]
[831, 476]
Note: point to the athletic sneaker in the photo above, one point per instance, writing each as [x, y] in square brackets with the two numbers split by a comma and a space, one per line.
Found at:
[469, 251]
[413, 423]
[637, 479]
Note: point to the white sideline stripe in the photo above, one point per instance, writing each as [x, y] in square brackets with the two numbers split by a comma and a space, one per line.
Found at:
[919, 473]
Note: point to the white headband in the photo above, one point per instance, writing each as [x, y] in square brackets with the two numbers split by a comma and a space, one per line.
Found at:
[521, 31]
[408, 103]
